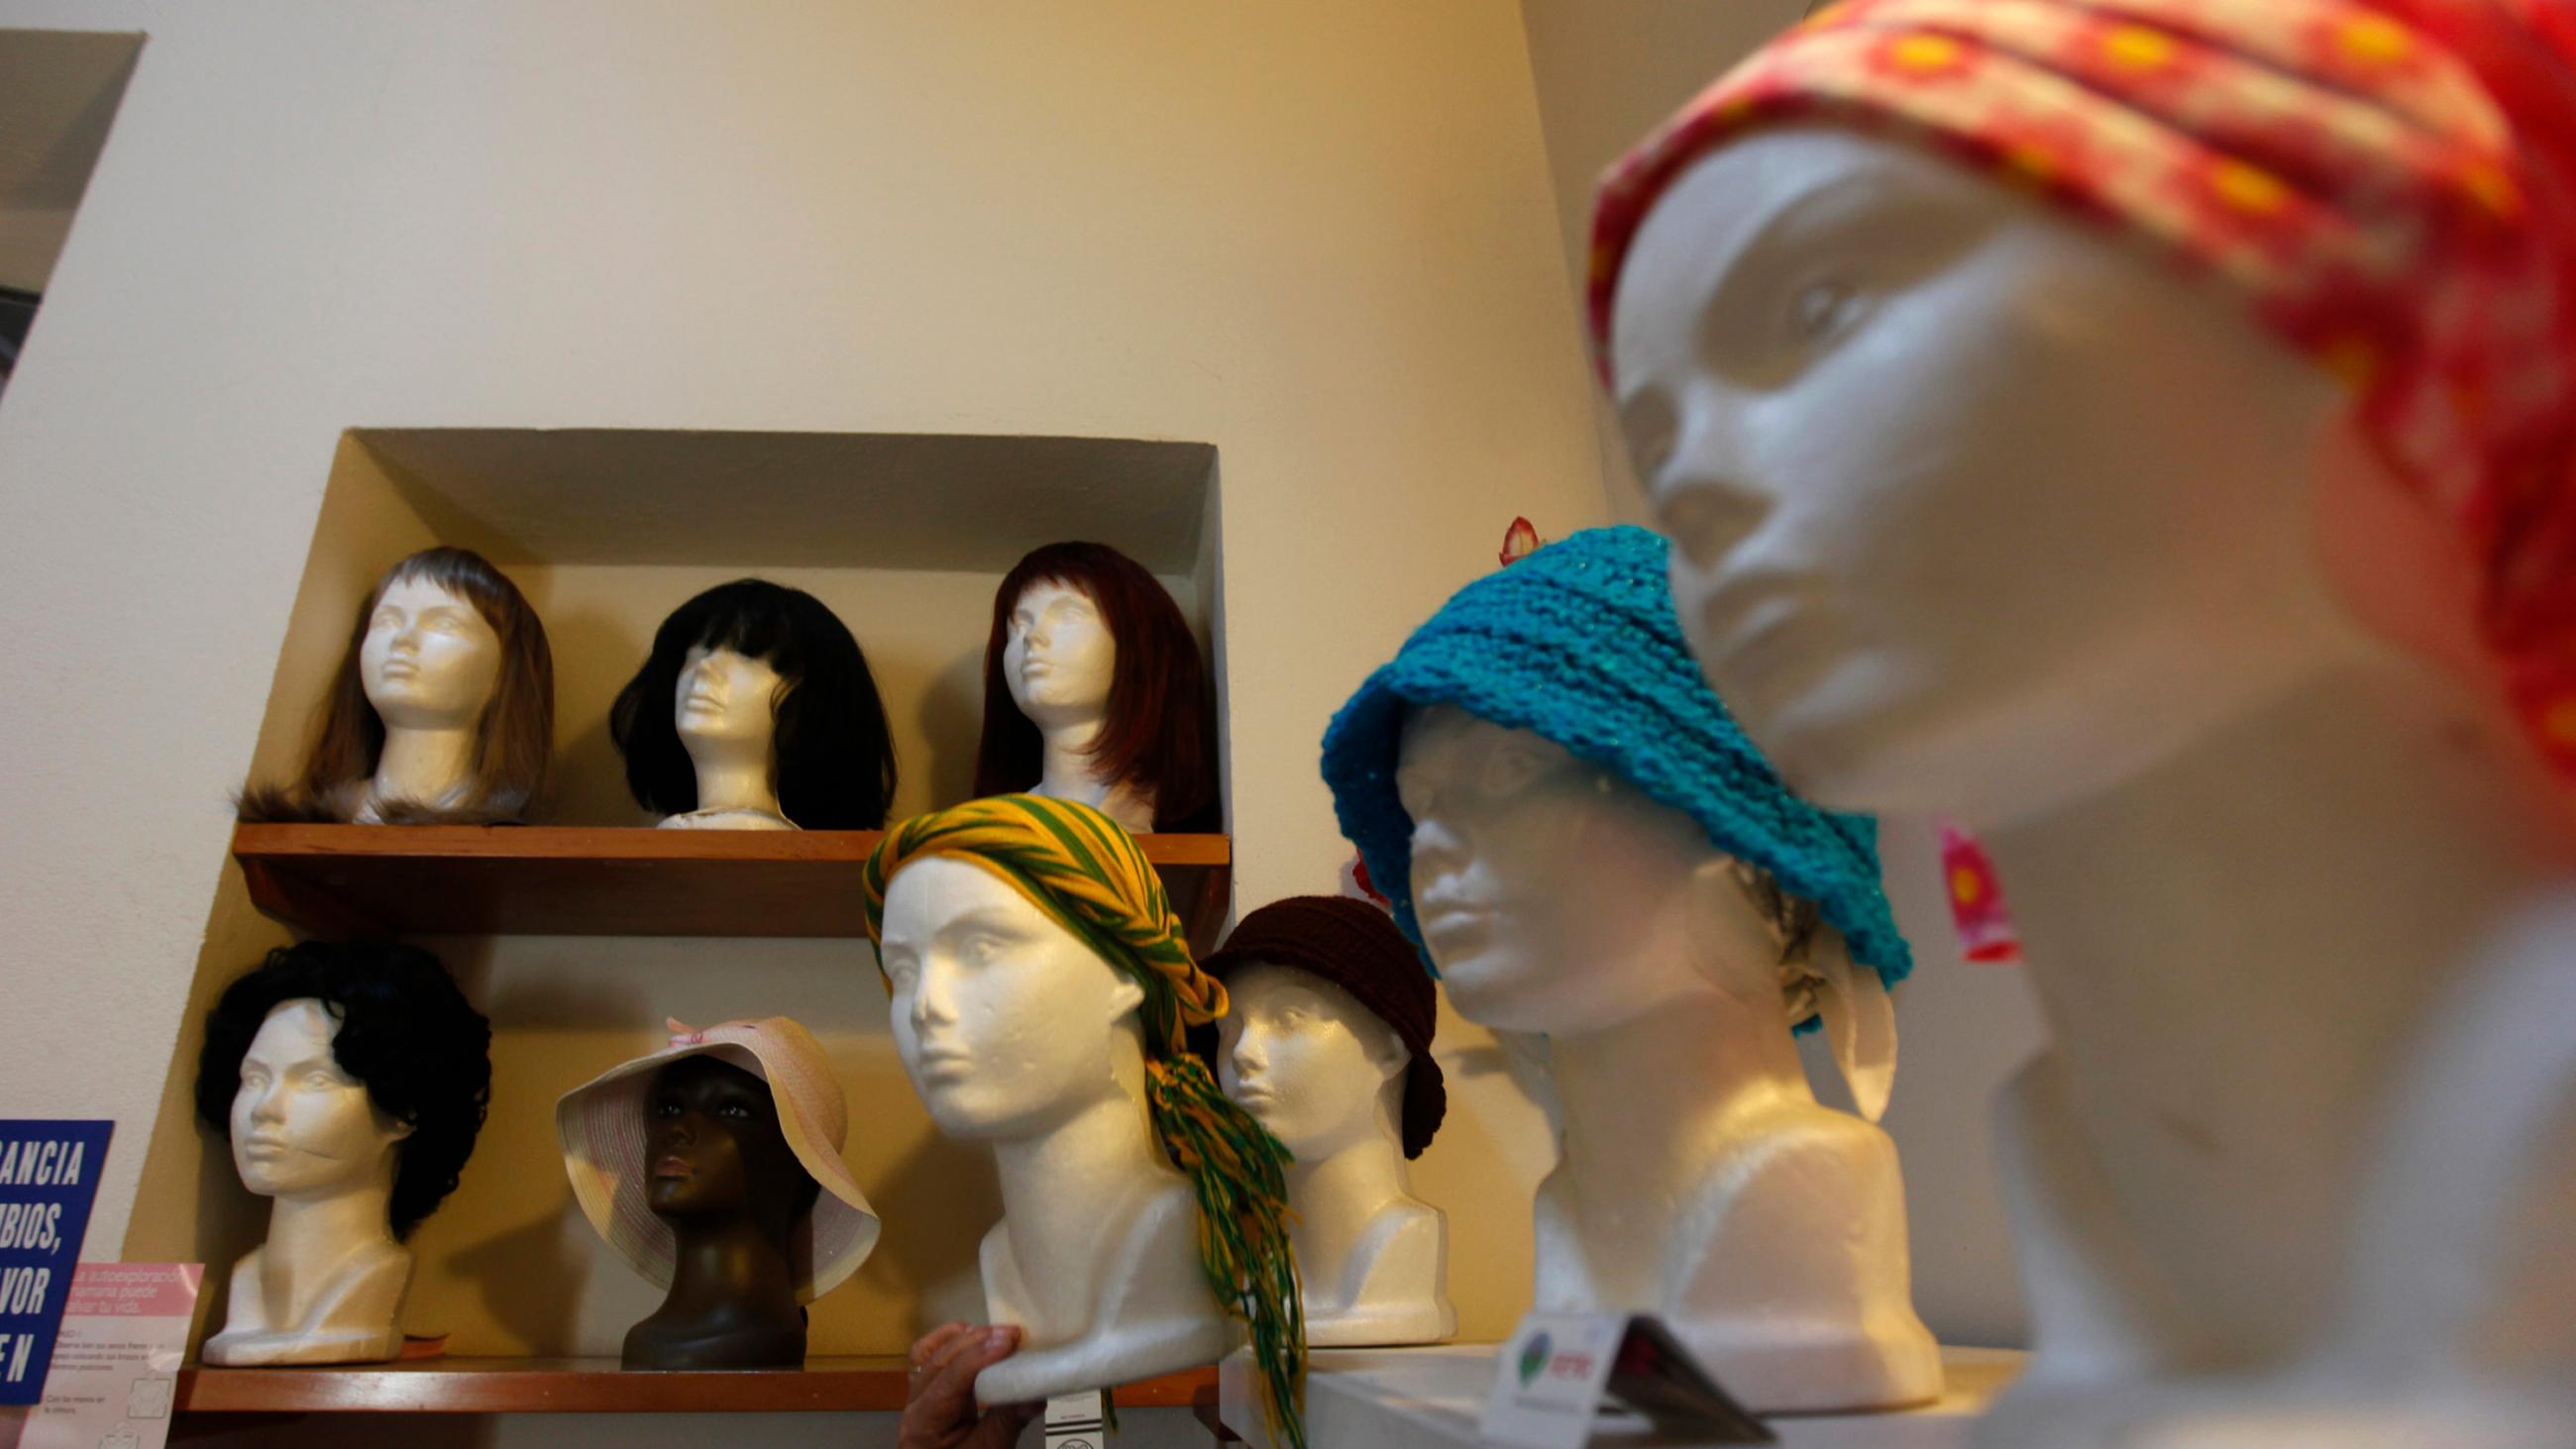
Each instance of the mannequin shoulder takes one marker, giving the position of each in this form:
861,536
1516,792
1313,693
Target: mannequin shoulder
1811,1201
1805,1145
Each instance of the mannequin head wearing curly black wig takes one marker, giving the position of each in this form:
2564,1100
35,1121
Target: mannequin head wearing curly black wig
831,759
396,1026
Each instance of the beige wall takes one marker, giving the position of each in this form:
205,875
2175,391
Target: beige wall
1315,236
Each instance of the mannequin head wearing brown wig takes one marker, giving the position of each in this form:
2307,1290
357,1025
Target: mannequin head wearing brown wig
1156,737
505,761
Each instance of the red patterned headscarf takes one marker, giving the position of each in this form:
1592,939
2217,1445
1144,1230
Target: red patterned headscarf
2391,184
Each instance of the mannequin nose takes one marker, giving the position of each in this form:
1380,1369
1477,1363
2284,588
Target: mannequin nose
268,1106
1437,846
1250,1051
1706,516
932,1001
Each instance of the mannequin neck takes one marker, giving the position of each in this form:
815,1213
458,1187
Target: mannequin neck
1069,1191
311,1235
1649,1102
2235,949
728,1266
1337,1193
424,766
1067,772
735,781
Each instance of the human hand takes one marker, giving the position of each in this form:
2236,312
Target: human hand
940,1410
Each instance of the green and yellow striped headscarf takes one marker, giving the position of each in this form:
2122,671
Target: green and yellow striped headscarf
1085,872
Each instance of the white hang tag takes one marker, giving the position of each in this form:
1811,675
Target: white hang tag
1561,1372
1078,1420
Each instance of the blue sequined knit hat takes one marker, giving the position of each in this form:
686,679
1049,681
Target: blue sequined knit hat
1578,643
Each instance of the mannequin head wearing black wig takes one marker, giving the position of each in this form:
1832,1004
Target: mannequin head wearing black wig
756,710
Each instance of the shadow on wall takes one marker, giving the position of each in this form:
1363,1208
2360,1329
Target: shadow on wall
589,783
952,719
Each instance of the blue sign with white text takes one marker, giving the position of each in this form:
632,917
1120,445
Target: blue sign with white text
48,1176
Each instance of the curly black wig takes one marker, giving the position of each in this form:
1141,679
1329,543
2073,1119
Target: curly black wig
423,1051
832,758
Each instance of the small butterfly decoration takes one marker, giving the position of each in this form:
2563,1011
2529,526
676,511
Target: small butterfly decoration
1977,910
1520,541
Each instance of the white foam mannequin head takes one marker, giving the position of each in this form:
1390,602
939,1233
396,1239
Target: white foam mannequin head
1981,511
725,710
1309,1062
1700,1179
1016,1033
429,664
1059,661
1061,656
301,1126
1326,1076
2021,582
1006,1023
306,1134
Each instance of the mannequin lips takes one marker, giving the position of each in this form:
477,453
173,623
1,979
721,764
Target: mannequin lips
673,1167
940,1061
265,1149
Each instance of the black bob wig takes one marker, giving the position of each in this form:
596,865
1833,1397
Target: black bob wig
423,1051
832,757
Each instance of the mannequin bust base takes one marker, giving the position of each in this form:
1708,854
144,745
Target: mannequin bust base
1389,1291
741,819
1791,1320
347,1322
1153,1314
721,1340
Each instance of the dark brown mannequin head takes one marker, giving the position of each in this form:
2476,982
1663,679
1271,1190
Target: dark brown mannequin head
720,1172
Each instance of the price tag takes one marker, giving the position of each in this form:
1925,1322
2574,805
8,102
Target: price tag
1078,1420
1561,1371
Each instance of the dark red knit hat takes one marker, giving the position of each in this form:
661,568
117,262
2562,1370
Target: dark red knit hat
1355,946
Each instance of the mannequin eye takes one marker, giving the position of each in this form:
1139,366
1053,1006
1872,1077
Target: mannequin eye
1823,310
1514,767
734,1110
319,1080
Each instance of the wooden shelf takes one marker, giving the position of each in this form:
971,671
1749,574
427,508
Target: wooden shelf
591,1386
552,880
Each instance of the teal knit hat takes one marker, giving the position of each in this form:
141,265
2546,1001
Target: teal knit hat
1578,644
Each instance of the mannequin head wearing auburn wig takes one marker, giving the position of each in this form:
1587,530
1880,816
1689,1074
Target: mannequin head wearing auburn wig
442,709
1093,690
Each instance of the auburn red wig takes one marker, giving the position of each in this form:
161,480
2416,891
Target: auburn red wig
1160,732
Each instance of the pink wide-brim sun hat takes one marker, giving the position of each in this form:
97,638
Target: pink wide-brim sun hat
601,1124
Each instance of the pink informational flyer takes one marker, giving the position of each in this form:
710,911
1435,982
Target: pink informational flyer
116,1362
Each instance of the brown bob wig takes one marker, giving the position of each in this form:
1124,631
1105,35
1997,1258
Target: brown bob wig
1160,733
513,743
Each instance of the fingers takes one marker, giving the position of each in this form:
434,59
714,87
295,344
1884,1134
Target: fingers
947,1396
925,1350
962,1343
